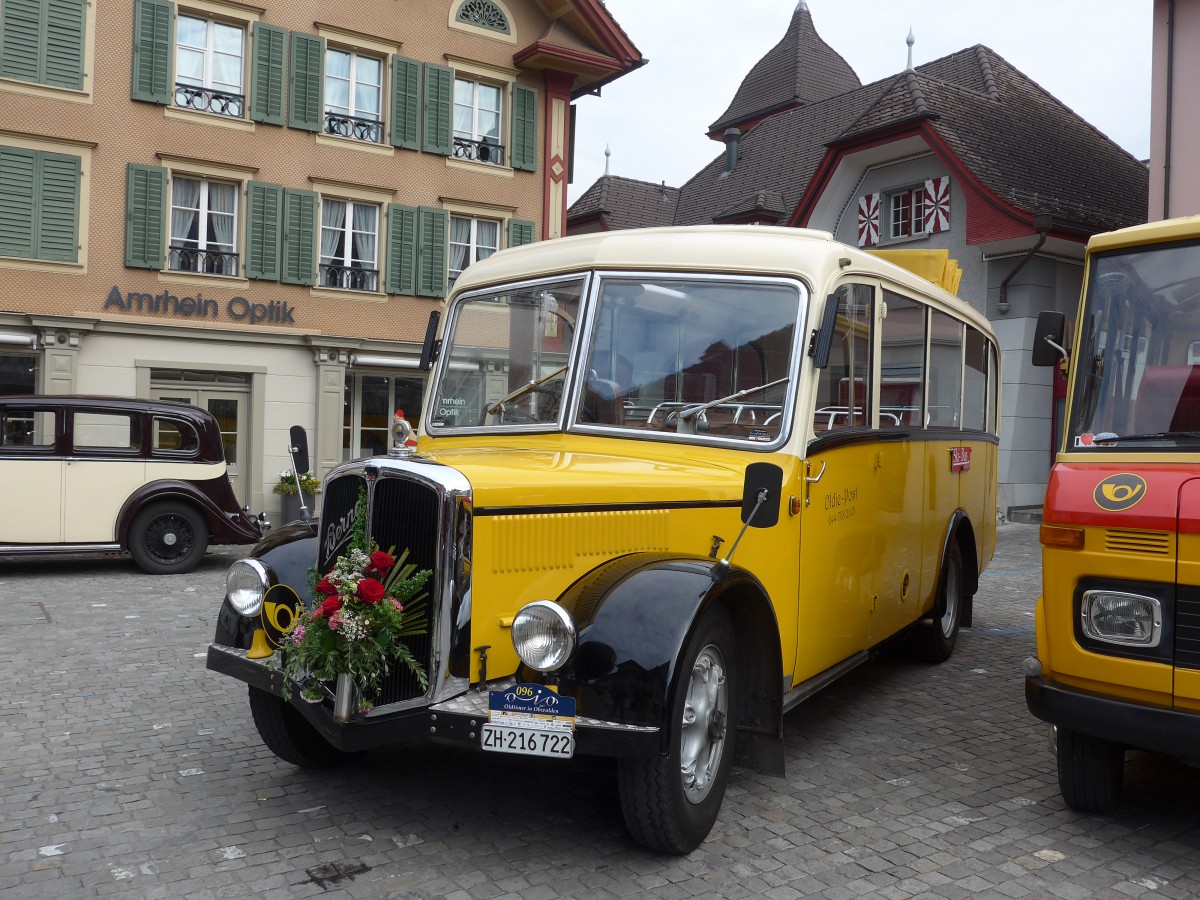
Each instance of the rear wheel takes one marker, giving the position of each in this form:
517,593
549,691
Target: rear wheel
289,736
168,538
671,802
934,641
1090,771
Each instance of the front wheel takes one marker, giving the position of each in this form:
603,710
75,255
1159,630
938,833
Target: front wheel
670,803
1090,771
934,641
288,735
168,538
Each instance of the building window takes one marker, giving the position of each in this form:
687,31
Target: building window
39,204
43,42
907,212
371,402
470,241
18,374
209,65
477,107
483,14
353,96
349,242
203,227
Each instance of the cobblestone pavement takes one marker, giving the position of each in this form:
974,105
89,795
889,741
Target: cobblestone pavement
126,768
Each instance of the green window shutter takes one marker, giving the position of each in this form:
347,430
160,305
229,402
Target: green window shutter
65,25
524,129
268,70
145,216
20,39
304,98
406,103
519,233
264,227
58,207
17,180
152,55
298,262
432,227
402,250
439,104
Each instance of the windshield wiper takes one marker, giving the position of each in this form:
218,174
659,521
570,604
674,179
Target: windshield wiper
495,407
692,411
1107,438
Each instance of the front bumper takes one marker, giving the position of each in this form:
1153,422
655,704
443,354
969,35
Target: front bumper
1139,725
455,719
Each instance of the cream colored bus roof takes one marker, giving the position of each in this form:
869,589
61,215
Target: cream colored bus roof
733,249
1150,233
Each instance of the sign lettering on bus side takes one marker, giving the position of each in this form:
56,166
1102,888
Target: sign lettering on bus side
960,459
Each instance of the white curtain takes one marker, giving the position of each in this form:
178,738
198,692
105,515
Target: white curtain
185,207
333,223
460,243
222,199
364,235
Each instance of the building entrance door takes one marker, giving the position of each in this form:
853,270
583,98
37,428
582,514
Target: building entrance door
229,408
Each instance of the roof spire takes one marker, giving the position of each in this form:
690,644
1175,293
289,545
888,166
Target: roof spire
801,6
607,154
910,40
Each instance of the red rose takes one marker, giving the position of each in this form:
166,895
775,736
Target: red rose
381,562
324,587
370,590
329,607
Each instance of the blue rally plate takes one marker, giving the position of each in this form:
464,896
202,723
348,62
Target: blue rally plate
531,706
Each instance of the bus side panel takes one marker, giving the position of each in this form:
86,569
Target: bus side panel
902,486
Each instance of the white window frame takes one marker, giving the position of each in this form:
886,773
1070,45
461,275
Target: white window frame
353,81
473,246
347,258
204,242
916,200
475,134
208,52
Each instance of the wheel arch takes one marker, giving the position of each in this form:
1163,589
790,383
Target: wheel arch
634,617
961,531
170,491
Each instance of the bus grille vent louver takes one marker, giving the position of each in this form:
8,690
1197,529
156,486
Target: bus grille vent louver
1155,543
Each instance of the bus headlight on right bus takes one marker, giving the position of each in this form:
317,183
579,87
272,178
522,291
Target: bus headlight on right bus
1120,618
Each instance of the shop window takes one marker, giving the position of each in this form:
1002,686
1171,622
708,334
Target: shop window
203,227
371,402
18,374
349,245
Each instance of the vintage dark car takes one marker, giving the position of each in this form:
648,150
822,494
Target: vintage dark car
104,474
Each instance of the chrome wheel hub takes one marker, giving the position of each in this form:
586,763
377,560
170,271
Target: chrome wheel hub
704,725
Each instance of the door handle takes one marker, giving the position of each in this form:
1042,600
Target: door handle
810,479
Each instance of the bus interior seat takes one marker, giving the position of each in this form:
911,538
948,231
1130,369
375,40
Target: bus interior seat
1169,399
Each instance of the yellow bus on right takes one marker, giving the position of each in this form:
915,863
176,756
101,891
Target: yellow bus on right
1118,622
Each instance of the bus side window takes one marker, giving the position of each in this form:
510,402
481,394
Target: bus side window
843,386
902,363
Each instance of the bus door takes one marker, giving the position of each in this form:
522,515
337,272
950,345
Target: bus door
838,534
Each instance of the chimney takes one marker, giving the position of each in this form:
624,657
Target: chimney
732,137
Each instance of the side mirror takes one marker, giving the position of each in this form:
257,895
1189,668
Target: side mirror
299,447
759,511
429,350
1048,338
823,339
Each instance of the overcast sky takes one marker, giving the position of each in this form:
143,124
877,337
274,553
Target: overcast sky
1093,55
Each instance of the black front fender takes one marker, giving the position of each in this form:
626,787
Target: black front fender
634,616
288,552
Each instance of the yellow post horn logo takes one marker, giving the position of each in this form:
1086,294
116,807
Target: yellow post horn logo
1120,492
280,612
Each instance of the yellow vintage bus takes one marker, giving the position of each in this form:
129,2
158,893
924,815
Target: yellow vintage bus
1118,622
670,482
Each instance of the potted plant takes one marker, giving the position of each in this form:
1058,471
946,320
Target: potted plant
285,487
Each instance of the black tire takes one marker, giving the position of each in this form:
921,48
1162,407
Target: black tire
168,538
667,808
933,641
288,735
1090,771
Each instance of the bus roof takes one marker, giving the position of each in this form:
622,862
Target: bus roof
1150,233
734,249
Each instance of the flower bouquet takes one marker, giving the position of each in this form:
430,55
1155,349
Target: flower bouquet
363,609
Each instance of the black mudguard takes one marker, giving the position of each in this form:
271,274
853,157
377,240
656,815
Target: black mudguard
634,616
288,552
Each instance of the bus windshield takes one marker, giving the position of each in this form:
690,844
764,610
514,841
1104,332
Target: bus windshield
1137,375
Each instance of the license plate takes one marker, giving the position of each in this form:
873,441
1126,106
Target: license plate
528,741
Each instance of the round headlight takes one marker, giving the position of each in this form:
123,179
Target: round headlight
246,585
544,635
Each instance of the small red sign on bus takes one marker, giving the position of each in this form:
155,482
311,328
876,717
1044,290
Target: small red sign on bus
960,459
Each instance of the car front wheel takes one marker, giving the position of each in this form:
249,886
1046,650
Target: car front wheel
288,735
670,803
168,538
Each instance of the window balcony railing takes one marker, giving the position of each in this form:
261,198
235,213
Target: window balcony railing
479,151
349,278
204,261
223,103
370,130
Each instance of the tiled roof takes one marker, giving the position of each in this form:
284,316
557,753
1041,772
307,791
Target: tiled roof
626,203
1023,145
801,69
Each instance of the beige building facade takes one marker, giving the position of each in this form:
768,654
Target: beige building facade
255,207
